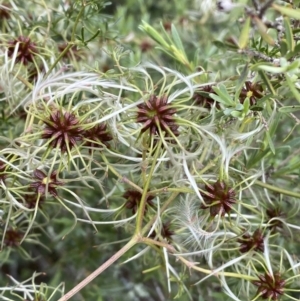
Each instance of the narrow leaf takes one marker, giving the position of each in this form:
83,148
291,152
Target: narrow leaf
289,34
222,91
283,47
272,69
176,39
244,37
262,29
289,109
240,82
290,12
219,99
293,88
267,82
154,34
270,142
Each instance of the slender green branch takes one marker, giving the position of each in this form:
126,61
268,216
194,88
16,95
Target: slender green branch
141,210
277,189
151,242
71,43
118,175
175,189
23,80
164,207
192,265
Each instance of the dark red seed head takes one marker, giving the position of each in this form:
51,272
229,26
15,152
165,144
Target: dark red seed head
133,198
253,242
156,113
275,212
146,46
32,198
219,198
26,50
97,136
4,11
270,287
45,182
3,170
203,99
13,237
63,129
165,232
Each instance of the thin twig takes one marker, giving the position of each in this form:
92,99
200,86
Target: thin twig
256,54
264,8
97,272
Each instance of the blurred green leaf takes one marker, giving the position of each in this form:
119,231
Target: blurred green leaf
262,29
293,88
270,142
177,40
289,34
290,12
289,109
244,37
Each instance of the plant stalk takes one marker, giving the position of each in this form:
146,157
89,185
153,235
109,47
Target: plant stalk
99,270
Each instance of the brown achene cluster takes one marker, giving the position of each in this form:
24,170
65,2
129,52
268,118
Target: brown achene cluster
45,182
97,135
157,114
26,50
63,129
133,198
270,287
165,232
31,199
3,170
219,198
12,237
203,99
251,90
253,242
272,214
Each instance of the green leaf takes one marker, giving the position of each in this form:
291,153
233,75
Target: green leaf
241,81
176,39
293,88
257,157
236,114
154,34
222,92
294,53
267,82
293,66
289,109
225,45
239,107
272,69
246,105
244,37
283,47
290,12
289,34
256,108
262,29
219,99
270,142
